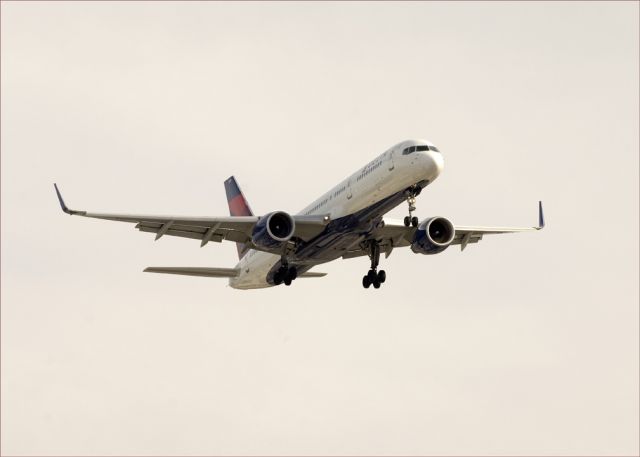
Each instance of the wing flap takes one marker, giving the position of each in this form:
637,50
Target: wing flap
195,232
463,229
236,222
182,233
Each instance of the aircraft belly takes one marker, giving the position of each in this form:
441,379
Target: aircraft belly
344,233
253,274
328,248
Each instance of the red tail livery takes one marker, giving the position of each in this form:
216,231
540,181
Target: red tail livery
238,206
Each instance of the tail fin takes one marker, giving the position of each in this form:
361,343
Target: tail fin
238,206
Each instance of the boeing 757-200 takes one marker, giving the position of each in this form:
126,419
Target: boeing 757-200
345,222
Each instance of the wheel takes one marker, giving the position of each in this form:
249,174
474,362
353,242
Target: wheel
382,276
277,278
372,275
292,273
407,221
365,282
287,281
414,221
376,284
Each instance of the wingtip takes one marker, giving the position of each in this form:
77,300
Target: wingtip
540,216
61,200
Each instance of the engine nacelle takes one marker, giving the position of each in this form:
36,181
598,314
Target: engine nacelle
433,236
273,230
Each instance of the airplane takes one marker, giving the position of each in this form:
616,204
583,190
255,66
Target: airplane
346,222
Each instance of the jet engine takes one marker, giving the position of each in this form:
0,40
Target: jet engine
433,236
273,230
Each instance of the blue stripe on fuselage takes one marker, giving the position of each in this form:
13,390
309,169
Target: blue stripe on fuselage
340,234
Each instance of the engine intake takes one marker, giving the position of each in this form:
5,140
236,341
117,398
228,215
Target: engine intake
273,230
433,236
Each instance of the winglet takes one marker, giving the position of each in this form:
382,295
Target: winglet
540,216
71,212
62,205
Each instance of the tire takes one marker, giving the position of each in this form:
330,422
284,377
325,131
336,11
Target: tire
414,221
372,276
382,276
287,281
277,278
376,284
292,273
407,221
365,282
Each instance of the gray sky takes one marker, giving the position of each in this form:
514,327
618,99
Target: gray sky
523,344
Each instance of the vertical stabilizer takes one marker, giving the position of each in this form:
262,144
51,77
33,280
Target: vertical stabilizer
238,206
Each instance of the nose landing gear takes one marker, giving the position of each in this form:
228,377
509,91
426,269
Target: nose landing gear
374,277
411,200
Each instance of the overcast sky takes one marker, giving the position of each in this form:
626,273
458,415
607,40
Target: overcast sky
521,344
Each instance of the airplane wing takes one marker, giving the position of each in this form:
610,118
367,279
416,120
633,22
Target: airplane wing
233,228
394,234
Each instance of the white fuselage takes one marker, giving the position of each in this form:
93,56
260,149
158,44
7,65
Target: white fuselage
389,173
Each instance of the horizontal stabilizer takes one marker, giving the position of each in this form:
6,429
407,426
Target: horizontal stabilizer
312,274
196,271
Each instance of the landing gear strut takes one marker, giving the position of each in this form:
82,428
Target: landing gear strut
411,200
374,277
285,274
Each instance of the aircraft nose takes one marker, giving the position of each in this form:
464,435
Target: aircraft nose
434,163
438,161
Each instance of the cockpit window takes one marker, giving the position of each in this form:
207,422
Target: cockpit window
411,149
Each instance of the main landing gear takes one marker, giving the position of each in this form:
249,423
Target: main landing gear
285,274
411,200
374,277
